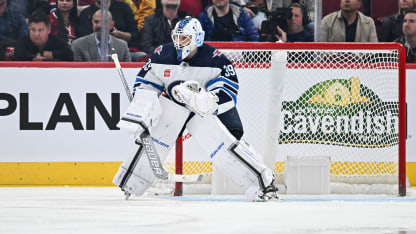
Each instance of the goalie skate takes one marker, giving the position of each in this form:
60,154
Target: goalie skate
269,193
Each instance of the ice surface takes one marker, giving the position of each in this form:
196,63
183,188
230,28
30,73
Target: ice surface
104,210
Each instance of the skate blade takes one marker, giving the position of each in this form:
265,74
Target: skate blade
127,195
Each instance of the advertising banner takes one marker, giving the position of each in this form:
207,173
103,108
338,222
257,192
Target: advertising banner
66,114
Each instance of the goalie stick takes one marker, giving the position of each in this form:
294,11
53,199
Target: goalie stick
147,141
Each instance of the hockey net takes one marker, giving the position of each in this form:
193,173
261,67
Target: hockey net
345,101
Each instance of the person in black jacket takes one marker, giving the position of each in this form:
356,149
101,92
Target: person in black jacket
40,45
408,39
158,26
392,25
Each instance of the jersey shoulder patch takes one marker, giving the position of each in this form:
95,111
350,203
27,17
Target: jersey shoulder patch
216,53
158,50
165,54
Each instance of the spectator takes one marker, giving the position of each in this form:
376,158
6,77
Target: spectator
87,48
158,26
408,39
392,25
64,20
141,9
348,25
12,25
225,21
296,26
124,25
81,5
256,9
249,5
41,45
273,4
194,7
27,7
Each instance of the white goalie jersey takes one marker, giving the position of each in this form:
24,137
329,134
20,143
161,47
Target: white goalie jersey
205,84
209,67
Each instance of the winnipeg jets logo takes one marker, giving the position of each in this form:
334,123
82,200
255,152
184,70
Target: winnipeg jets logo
158,50
166,73
216,53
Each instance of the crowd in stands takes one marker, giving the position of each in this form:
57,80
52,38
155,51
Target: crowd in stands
69,30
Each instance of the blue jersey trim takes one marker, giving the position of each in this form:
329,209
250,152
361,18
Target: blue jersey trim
224,80
229,92
161,88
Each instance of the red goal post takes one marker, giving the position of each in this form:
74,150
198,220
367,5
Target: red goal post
359,59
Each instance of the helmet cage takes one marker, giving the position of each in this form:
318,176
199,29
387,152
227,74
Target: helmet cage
187,36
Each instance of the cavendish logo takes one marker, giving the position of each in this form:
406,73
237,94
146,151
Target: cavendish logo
340,112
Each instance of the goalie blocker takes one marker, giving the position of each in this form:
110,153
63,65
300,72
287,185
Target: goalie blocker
234,158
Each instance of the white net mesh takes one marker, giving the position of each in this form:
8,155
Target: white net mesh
337,103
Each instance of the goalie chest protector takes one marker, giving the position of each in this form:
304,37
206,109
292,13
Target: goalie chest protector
207,64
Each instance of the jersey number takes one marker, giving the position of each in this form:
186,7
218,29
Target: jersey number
229,70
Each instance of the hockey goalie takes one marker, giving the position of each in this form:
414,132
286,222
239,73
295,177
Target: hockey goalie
201,88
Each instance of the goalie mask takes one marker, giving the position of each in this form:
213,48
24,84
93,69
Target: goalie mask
187,36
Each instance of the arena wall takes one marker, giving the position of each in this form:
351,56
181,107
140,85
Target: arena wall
58,123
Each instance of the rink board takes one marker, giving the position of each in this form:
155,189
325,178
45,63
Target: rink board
77,146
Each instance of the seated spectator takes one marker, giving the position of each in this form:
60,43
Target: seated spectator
256,9
392,25
225,21
40,45
158,26
125,26
141,9
296,31
408,39
273,4
64,20
80,3
194,7
87,48
12,26
27,7
249,5
348,25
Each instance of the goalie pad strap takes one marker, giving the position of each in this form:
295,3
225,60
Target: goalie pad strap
233,149
134,121
132,165
233,158
163,136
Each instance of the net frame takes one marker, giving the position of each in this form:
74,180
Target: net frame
327,46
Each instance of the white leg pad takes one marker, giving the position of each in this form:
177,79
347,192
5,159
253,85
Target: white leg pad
135,174
234,158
